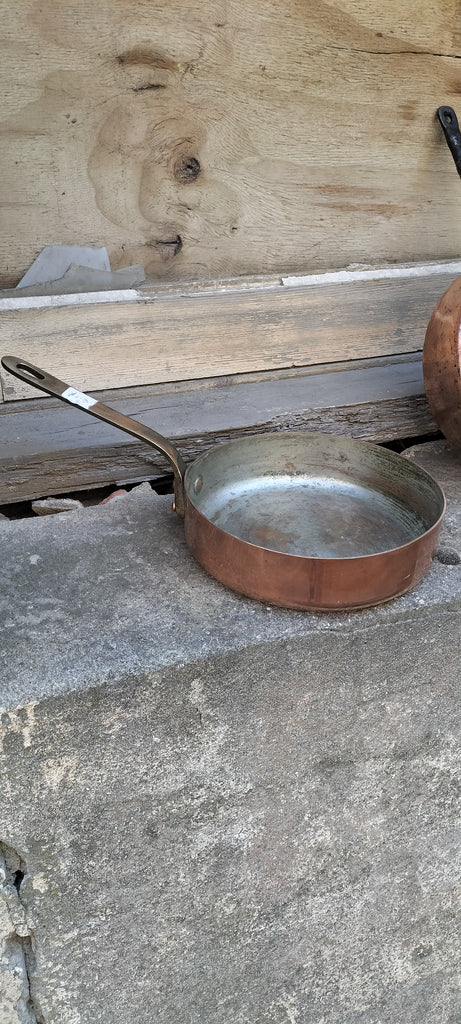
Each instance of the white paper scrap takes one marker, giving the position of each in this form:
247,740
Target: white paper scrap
53,261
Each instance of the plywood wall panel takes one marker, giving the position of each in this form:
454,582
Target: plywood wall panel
209,138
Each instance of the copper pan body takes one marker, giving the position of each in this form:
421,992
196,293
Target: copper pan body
312,521
303,583
442,344
442,363
304,521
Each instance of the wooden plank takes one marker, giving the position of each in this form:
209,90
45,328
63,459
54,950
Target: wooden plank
49,448
189,333
213,139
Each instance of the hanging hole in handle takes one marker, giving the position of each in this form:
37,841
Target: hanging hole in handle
447,117
31,370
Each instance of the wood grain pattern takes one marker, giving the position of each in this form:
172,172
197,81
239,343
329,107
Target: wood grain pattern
207,139
49,448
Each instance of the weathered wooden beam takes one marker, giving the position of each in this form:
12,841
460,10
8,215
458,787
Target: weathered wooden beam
117,340
49,448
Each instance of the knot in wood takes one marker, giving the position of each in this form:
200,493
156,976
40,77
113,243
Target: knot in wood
186,169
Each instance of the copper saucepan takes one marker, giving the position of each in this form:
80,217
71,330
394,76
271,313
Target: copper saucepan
306,521
442,344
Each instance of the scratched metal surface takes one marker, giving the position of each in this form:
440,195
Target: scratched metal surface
313,495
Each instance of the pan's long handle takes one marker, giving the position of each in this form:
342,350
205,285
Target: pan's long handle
449,122
52,386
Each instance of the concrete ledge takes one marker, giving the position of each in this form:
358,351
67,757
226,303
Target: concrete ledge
90,596
223,812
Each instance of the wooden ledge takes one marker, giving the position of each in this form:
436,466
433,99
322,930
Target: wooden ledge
149,336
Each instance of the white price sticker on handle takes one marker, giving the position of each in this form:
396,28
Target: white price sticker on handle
79,398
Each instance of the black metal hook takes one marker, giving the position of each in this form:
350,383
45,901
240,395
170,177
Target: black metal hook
449,122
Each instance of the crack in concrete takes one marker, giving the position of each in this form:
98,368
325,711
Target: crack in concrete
17,960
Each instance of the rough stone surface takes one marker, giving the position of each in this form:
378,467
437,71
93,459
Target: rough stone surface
225,813
15,1003
12,973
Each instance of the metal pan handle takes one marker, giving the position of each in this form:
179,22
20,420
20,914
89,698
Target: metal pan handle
449,122
52,386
